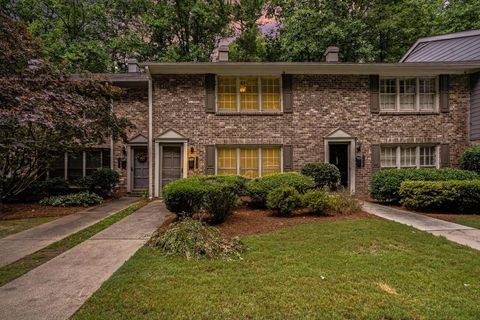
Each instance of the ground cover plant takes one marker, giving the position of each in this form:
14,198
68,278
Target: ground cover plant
344,269
385,185
81,199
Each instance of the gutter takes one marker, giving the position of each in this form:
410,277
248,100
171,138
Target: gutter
150,133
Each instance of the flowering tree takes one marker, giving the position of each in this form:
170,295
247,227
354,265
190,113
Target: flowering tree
44,111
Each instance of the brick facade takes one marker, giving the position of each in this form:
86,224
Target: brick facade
321,104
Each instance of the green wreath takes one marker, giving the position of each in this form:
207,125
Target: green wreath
142,157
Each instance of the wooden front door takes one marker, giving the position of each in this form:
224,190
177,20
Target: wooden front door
338,154
171,164
140,168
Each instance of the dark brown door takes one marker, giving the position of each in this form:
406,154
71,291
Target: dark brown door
339,157
171,164
140,168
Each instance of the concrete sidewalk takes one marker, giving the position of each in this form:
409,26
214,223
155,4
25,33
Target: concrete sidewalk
19,245
458,233
56,289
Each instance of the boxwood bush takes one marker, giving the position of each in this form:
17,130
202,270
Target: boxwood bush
259,188
385,184
470,159
101,181
324,174
81,199
461,195
316,201
283,200
218,195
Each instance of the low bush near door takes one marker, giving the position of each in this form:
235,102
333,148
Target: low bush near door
184,196
470,159
445,195
385,184
324,174
259,188
283,200
316,201
343,203
81,199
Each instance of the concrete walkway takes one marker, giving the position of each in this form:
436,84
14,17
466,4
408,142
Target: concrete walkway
56,289
19,245
454,232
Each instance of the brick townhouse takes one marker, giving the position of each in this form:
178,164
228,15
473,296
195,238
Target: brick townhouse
256,119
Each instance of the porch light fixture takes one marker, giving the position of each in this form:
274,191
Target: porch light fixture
243,88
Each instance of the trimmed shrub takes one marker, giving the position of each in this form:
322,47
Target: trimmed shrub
454,195
324,174
283,199
101,181
385,184
184,196
343,203
238,184
317,201
259,188
192,239
470,159
81,199
220,201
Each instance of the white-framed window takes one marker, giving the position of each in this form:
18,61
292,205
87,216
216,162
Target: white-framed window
249,94
409,94
409,156
72,166
249,161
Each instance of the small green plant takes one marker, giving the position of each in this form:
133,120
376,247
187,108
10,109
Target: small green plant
470,159
193,239
343,203
184,196
316,201
444,195
219,202
81,199
283,200
259,188
385,184
101,181
324,174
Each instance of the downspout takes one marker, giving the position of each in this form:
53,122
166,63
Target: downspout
150,134
112,143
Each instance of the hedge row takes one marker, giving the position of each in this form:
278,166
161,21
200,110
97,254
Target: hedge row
446,195
386,184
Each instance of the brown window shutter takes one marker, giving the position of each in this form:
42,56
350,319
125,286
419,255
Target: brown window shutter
210,160
375,157
374,82
444,156
210,93
443,86
287,93
287,158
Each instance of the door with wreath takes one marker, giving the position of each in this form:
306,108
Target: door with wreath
140,168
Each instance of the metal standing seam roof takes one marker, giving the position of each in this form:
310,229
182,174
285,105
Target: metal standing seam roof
453,47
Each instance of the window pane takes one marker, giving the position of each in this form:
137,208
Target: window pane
94,161
407,93
227,161
388,92
227,93
75,166
249,162
248,94
388,157
427,93
106,158
427,157
271,94
270,161
408,156
57,167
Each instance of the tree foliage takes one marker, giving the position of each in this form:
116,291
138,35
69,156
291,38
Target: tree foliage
43,111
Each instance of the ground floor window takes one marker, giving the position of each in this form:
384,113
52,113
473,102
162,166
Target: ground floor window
77,165
409,156
251,161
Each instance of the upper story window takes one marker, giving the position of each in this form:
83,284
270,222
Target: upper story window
409,156
248,94
409,94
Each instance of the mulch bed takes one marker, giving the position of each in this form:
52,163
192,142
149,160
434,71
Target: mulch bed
11,211
246,221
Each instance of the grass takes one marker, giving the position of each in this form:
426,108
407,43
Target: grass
357,269
8,227
473,222
22,266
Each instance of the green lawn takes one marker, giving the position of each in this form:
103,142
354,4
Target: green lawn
473,222
372,269
8,227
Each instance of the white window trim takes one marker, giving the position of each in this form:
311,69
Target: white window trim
417,156
417,95
260,107
260,148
